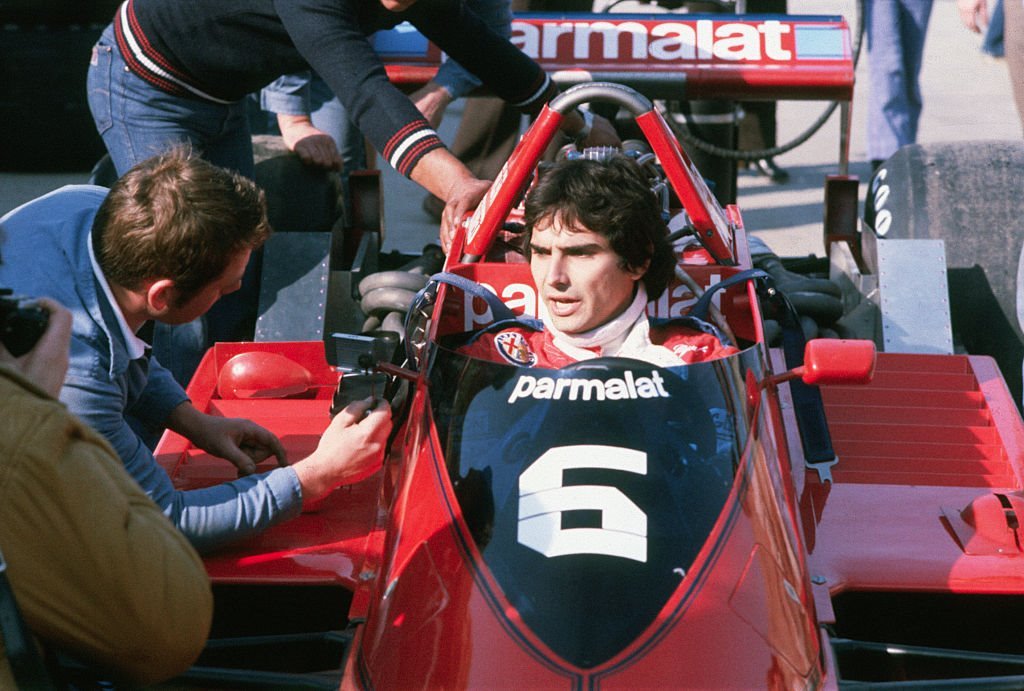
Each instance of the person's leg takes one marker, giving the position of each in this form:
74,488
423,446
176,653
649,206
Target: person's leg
883,76
116,98
895,37
913,30
1013,12
487,135
993,42
136,120
227,139
329,116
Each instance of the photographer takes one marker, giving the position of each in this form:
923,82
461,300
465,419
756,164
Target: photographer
164,243
95,567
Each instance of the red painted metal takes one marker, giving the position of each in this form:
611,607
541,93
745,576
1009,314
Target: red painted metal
886,523
926,497
839,362
509,185
327,544
706,215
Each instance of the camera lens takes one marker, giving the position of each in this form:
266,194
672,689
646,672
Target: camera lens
21,327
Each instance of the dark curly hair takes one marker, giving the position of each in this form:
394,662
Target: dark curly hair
613,199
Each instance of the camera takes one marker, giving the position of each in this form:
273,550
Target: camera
21,323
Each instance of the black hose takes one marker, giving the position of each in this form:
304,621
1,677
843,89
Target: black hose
754,154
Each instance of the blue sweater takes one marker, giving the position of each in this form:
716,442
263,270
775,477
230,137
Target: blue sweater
45,254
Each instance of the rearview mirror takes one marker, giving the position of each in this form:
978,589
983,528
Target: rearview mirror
834,361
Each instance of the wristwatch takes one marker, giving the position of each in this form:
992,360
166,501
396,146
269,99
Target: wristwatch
588,125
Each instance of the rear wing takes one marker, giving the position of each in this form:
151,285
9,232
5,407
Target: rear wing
682,56
671,56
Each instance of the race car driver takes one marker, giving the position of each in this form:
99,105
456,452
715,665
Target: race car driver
598,251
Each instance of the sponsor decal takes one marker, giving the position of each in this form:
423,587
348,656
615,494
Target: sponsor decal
628,387
544,498
883,216
513,346
523,298
703,40
682,350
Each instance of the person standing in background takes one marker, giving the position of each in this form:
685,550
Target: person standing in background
992,45
975,16
758,128
171,71
895,32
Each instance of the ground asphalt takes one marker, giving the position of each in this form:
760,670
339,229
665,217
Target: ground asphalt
966,97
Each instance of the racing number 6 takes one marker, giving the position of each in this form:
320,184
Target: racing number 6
543,498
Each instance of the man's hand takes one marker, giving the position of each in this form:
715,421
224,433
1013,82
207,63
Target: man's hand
448,179
431,100
973,14
242,442
313,147
461,200
350,450
47,363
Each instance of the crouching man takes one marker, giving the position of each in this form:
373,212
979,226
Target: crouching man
598,251
95,568
167,240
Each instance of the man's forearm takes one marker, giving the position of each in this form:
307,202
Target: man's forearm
186,420
441,174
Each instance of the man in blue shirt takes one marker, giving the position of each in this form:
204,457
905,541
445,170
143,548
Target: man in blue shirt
164,243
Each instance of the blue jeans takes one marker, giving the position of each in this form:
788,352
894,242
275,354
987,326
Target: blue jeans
136,121
895,32
993,42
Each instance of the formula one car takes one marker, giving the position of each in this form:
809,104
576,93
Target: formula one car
803,515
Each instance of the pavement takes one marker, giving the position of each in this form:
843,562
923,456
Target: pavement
967,96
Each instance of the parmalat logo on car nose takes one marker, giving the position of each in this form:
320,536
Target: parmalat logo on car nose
579,389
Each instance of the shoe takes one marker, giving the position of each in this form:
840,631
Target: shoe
768,168
433,207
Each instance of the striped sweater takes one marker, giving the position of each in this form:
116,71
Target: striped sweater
221,50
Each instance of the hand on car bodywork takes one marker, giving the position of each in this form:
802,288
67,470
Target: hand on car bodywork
463,200
448,179
312,146
240,441
350,450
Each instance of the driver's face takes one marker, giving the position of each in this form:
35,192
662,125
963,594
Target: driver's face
579,276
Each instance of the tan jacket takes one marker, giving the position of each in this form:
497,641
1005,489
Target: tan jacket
95,566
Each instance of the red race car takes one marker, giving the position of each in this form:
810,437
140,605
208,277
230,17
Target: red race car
799,514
